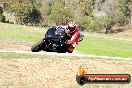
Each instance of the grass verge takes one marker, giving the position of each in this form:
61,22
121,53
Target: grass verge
105,47
93,43
18,32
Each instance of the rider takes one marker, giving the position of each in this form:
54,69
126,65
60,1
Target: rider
73,32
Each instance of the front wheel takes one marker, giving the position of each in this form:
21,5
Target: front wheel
37,47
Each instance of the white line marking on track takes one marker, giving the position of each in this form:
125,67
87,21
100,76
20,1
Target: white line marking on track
65,54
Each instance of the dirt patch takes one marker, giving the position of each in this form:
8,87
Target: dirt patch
6,44
53,73
126,33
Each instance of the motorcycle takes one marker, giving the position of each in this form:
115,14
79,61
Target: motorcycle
55,40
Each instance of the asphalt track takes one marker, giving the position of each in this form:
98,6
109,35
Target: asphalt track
64,54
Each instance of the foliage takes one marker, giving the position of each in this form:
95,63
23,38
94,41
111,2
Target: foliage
89,23
126,10
119,10
86,6
49,12
19,7
25,11
1,10
32,17
95,25
60,14
84,22
107,20
2,17
45,11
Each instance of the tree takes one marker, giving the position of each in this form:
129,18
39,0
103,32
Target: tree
60,14
95,25
86,6
32,17
124,8
119,10
2,17
84,22
45,11
108,23
19,7
91,24
26,11
130,6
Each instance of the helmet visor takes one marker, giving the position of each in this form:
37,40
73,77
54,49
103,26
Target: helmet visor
71,28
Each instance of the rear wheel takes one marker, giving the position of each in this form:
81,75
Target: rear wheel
37,47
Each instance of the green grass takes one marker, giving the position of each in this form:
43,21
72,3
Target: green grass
93,43
29,56
20,56
111,36
18,32
104,46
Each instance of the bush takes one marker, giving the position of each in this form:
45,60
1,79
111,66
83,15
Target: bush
2,17
33,17
95,25
84,22
107,21
60,15
91,24
124,21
